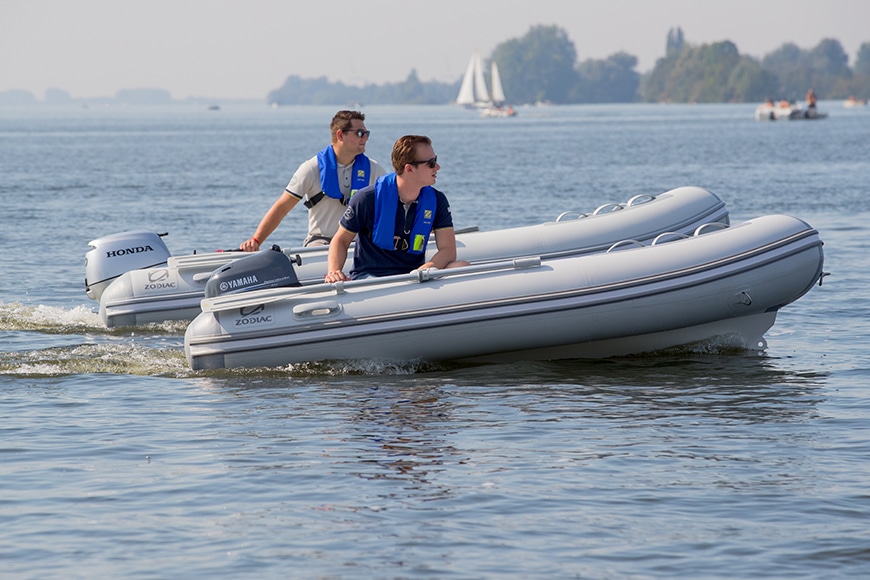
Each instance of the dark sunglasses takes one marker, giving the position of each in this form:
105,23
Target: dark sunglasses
359,132
430,162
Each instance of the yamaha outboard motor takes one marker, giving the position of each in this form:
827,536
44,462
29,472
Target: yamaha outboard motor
264,269
113,255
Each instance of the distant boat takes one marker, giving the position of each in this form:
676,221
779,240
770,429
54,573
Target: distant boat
474,94
785,111
214,108
853,102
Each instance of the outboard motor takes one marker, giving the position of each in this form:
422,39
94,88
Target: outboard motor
115,254
265,269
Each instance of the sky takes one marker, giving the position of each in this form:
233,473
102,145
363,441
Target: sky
246,48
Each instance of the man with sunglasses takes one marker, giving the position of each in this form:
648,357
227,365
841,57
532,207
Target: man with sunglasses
393,219
326,182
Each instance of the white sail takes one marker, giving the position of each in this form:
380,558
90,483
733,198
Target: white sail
481,95
466,91
473,92
497,90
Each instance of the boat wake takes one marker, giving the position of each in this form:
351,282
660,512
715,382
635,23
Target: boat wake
78,320
373,367
143,358
122,359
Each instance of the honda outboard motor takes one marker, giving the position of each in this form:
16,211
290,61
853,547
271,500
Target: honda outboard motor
264,269
115,254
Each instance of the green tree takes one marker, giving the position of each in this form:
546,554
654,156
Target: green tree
537,67
859,85
749,81
676,41
411,90
862,63
710,73
823,68
613,80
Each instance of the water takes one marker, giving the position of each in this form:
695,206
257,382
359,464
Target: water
116,460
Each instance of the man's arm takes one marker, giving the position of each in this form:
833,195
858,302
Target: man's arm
445,241
270,221
338,255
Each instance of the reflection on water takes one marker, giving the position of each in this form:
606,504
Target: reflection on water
737,386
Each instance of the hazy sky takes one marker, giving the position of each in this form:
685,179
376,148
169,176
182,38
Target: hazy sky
246,48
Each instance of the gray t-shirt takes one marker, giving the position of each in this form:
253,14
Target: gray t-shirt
323,218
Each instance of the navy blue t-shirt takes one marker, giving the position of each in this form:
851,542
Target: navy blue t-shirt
369,258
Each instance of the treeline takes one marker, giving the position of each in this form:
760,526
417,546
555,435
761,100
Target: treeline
319,91
542,66
718,73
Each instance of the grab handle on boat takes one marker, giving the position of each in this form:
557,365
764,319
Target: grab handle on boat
661,236
607,207
641,198
311,309
566,214
617,245
711,225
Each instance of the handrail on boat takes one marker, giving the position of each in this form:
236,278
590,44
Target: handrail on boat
566,214
641,196
638,199
624,243
268,295
661,236
609,207
711,225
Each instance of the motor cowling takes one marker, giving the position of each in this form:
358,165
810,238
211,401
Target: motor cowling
115,254
263,269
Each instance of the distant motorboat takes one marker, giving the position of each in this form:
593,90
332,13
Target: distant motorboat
785,111
853,102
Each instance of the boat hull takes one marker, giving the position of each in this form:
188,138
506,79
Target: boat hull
787,113
174,291
728,283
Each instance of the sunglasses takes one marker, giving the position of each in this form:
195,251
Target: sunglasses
359,132
430,162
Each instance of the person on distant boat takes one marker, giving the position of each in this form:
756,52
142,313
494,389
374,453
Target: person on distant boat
393,219
326,182
783,103
811,99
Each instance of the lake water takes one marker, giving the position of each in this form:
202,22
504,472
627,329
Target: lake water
116,460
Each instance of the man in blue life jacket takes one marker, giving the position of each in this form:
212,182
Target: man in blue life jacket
326,182
392,219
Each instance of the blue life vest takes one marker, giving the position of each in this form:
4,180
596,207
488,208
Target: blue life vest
329,173
386,204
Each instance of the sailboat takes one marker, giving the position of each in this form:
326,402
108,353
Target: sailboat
473,92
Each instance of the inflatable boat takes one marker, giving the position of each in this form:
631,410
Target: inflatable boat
137,281
787,112
722,282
